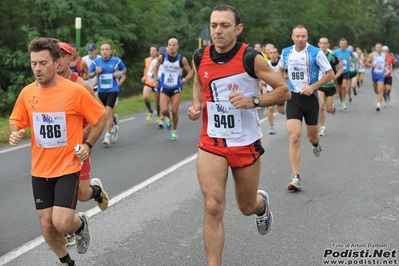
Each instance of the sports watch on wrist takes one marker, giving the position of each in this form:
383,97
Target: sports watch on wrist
256,101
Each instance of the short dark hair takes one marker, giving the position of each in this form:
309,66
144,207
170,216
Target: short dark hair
299,26
229,8
42,43
73,45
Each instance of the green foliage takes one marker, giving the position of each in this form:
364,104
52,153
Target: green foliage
132,26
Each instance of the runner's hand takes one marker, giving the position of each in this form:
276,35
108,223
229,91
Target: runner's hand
240,101
194,112
307,90
16,137
83,152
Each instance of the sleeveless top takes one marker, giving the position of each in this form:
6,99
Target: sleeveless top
222,124
172,73
380,61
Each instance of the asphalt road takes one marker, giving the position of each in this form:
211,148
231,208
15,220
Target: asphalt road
348,205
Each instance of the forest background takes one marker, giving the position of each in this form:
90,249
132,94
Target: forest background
132,26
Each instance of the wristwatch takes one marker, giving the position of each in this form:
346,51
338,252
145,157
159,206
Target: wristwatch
256,101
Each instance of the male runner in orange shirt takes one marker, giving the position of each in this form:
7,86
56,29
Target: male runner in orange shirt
54,108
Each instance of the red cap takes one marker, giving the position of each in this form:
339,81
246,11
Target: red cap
66,47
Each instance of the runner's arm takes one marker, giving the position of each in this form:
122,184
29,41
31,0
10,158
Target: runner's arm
188,69
85,70
194,111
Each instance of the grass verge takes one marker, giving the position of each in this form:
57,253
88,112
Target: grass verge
126,106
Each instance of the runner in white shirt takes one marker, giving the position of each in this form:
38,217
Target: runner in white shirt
274,63
303,62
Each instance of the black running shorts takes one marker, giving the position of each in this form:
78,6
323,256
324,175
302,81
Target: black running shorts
343,76
328,91
108,99
60,191
303,107
388,81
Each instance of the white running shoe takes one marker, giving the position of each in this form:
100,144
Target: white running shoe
114,133
83,238
322,131
107,140
160,124
295,184
317,150
69,240
265,221
272,131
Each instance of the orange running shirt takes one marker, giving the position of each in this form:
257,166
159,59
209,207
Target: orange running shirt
55,116
148,61
389,63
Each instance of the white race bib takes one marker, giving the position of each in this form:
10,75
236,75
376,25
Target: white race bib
106,81
380,68
344,63
50,129
298,77
170,79
224,121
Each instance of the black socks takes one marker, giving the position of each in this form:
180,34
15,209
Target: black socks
67,259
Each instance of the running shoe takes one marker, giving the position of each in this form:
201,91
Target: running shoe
350,100
114,133
378,107
341,106
322,131
265,221
272,131
168,123
102,201
160,124
116,119
149,116
69,240
317,150
107,140
173,135
158,119
354,91
295,184
83,238
344,106
72,263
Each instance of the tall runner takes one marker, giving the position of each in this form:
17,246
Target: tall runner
108,69
389,66
327,91
149,85
273,62
303,62
344,54
171,83
54,108
376,60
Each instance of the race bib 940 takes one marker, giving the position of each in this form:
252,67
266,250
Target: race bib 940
224,121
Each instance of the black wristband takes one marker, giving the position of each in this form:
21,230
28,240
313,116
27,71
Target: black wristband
89,145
